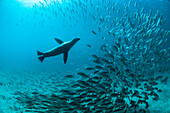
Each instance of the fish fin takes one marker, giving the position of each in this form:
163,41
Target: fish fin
39,53
65,57
59,41
41,58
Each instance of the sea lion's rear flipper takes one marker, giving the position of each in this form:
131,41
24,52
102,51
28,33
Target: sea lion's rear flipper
39,53
59,41
41,56
65,57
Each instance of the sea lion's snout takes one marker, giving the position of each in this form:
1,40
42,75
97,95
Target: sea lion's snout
77,39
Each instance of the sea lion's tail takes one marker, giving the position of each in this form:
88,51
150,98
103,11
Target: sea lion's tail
39,53
41,58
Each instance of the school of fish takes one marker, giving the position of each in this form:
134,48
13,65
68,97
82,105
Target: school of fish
125,75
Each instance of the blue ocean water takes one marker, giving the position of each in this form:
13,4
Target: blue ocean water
28,26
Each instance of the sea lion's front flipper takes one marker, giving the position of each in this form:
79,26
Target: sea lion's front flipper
59,41
65,57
